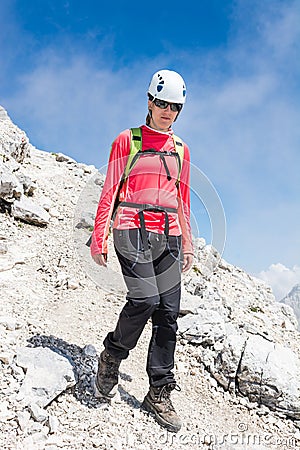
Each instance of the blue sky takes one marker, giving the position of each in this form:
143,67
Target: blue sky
73,74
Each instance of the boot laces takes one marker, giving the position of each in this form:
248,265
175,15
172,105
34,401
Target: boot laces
164,395
112,365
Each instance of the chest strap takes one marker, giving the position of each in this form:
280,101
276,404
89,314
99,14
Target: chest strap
148,207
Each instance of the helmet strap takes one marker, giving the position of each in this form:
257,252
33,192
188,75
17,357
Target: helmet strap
176,116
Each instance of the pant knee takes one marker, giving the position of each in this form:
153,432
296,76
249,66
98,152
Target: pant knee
143,305
166,319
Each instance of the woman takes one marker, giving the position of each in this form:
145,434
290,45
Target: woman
147,194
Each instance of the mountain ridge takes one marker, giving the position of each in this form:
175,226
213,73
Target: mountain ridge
292,299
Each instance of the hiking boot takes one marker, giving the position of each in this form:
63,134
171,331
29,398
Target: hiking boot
158,402
107,375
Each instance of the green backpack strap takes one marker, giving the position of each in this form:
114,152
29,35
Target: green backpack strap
179,148
135,147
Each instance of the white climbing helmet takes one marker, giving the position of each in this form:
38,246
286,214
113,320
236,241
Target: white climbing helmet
168,85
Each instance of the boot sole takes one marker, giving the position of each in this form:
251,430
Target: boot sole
148,407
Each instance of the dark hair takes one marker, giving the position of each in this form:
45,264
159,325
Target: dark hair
148,118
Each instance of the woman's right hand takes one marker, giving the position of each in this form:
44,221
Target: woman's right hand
100,259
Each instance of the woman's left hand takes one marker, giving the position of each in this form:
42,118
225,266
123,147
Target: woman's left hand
187,262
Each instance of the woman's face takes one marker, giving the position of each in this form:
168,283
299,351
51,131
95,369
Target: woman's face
161,119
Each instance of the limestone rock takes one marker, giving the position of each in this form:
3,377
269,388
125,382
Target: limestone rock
292,299
205,327
47,375
39,414
189,303
269,373
89,350
45,202
208,259
29,186
86,169
23,418
72,284
5,412
10,323
223,358
25,209
86,221
53,212
237,328
13,141
6,357
53,424
264,371
3,114
60,157
99,180
3,248
10,187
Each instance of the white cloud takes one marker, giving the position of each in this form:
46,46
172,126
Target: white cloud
242,124
281,278
76,106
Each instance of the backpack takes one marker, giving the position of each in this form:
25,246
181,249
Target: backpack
136,152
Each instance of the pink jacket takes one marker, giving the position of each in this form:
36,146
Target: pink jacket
146,183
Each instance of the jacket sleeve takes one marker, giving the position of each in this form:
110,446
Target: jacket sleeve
184,204
117,161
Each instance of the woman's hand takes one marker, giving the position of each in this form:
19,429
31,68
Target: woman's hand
100,259
187,262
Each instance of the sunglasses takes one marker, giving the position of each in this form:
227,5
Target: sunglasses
162,104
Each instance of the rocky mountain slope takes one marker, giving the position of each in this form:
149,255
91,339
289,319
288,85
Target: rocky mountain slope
237,359
293,299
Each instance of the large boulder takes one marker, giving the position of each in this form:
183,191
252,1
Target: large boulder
266,372
246,340
13,142
48,374
14,148
10,186
292,299
25,209
269,373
